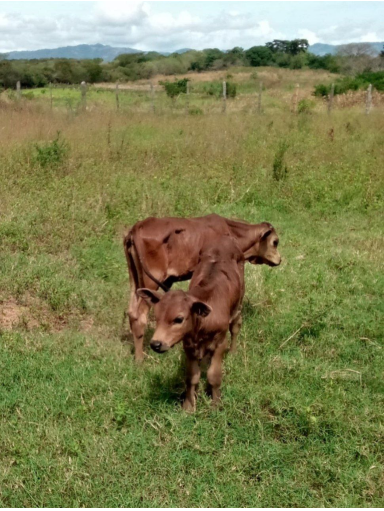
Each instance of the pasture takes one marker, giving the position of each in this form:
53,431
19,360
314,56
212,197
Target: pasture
301,419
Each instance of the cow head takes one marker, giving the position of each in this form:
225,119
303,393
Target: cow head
264,248
175,314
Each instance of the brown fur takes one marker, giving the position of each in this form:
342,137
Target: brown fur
160,251
202,316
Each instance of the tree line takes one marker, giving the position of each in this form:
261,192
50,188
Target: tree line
291,54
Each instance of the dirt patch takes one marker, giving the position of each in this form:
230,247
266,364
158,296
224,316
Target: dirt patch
30,313
13,315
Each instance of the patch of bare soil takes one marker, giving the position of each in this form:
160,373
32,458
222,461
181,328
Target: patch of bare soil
30,313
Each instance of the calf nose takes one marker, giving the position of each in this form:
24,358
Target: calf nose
156,345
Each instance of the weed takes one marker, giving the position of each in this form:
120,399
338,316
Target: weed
52,153
279,169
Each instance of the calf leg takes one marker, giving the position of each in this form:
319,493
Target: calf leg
193,377
138,315
214,374
234,328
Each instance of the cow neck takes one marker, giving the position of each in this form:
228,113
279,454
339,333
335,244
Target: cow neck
246,234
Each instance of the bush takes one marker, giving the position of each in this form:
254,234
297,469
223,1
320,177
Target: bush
173,89
216,89
51,154
305,106
195,111
28,95
279,170
361,81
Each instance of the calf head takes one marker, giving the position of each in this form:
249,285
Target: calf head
264,249
175,314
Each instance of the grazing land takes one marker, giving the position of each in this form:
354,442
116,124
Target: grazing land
301,419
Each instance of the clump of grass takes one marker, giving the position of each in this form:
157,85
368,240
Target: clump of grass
279,168
305,106
53,153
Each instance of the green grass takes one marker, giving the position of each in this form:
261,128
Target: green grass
301,423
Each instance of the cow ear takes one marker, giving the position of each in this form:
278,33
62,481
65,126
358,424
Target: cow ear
266,233
201,309
151,297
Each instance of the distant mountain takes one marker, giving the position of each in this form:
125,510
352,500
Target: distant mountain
81,51
322,49
168,53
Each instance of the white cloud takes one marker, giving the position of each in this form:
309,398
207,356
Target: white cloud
138,25
311,37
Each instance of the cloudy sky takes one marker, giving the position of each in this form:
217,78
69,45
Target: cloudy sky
167,26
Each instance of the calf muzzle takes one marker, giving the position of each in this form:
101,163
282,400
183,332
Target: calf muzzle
159,346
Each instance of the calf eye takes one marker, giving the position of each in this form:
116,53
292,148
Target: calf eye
179,319
275,243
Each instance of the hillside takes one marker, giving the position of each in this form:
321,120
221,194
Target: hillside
108,53
81,51
324,49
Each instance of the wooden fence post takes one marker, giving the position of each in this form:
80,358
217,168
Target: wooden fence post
330,98
50,95
152,97
296,99
224,97
187,100
83,88
117,96
259,99
18,91
368,103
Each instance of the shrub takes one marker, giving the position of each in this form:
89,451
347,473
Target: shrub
173,89
305,106
195,111
361,81
216,89
28,95
51,154
279,170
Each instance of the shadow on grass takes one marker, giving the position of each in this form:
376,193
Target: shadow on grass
169,385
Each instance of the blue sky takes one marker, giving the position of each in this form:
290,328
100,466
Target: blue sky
167,26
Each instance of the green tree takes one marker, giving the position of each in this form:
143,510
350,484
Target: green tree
259,56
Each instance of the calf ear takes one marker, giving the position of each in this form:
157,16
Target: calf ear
266,233
151,297
201,309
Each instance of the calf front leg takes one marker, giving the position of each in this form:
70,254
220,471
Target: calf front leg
138,315
193,377
234,329
215,374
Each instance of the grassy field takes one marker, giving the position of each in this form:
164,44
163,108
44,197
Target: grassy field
301,420
279,86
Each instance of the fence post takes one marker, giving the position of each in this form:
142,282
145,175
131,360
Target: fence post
224,97
330,98
83,87
18,91
187,100
50,95
117,96
296,99
259,99
152,97
368,102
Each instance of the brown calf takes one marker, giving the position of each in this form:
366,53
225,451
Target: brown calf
161,251
202,316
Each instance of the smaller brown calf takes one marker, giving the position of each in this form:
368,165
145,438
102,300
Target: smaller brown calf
202,316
